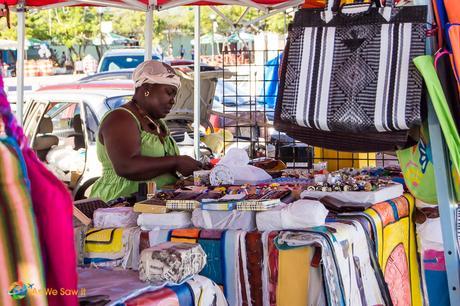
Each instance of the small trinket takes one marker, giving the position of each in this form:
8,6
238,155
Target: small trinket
346,188
368,187
324,189
355,187
311,188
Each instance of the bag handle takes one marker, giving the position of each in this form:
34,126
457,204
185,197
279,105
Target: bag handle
328,13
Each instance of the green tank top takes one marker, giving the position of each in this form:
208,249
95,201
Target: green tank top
111,186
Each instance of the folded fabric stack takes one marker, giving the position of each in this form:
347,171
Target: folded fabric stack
170,220
298,215
114,217
231,220
112,247
171,262
354,258
187,205
258,205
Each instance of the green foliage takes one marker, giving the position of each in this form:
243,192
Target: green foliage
5,32
78,26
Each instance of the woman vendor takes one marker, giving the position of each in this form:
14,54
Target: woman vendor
134,144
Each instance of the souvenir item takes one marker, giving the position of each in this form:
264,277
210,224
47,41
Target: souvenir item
201,178
115,217
170,220
298,215
360,91
171,262
231,220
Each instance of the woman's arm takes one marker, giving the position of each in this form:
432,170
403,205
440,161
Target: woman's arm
120,135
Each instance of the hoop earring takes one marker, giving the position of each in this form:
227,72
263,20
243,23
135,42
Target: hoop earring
147,93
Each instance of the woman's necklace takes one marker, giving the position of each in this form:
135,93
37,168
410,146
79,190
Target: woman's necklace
152,124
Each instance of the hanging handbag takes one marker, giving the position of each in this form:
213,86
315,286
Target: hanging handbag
351,71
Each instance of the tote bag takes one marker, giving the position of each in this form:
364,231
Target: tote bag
352,70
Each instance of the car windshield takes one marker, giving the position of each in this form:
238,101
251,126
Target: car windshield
112,63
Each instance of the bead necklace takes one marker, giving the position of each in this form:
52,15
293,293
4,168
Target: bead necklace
152,125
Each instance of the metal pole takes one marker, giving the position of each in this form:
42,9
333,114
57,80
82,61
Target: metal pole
446,205
148,32
212,41
20,62
444,187
197,93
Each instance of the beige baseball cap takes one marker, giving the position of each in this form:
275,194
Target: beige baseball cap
155,72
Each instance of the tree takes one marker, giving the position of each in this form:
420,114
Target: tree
74,27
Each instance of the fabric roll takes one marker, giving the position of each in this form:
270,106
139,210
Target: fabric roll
105,247
52,201
298,215
131,259
244,277
169,220
396,248
273,254
254,252
157,236
20,253
206,292
431,250
435,277
231,260
360,281
332,278
230,220
293,277
115,217
213,245
171,262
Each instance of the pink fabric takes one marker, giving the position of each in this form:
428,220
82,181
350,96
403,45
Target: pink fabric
53,210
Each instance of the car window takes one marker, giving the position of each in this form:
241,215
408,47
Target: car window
115,102
32,118
112,63
91,123
64,117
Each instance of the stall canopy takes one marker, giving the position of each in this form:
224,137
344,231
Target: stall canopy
265,5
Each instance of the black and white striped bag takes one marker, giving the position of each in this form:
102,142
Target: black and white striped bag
352,70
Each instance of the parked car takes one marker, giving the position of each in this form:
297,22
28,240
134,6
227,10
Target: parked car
62,122
120,59
117,59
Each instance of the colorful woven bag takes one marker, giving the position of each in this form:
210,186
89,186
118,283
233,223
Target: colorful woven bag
351,70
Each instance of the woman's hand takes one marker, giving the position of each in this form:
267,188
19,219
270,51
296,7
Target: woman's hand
185,165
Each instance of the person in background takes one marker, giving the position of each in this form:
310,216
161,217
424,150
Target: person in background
170,51
63,59
182,51
134,144
192,53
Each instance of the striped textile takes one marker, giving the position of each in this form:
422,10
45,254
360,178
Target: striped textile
353,75
20,256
